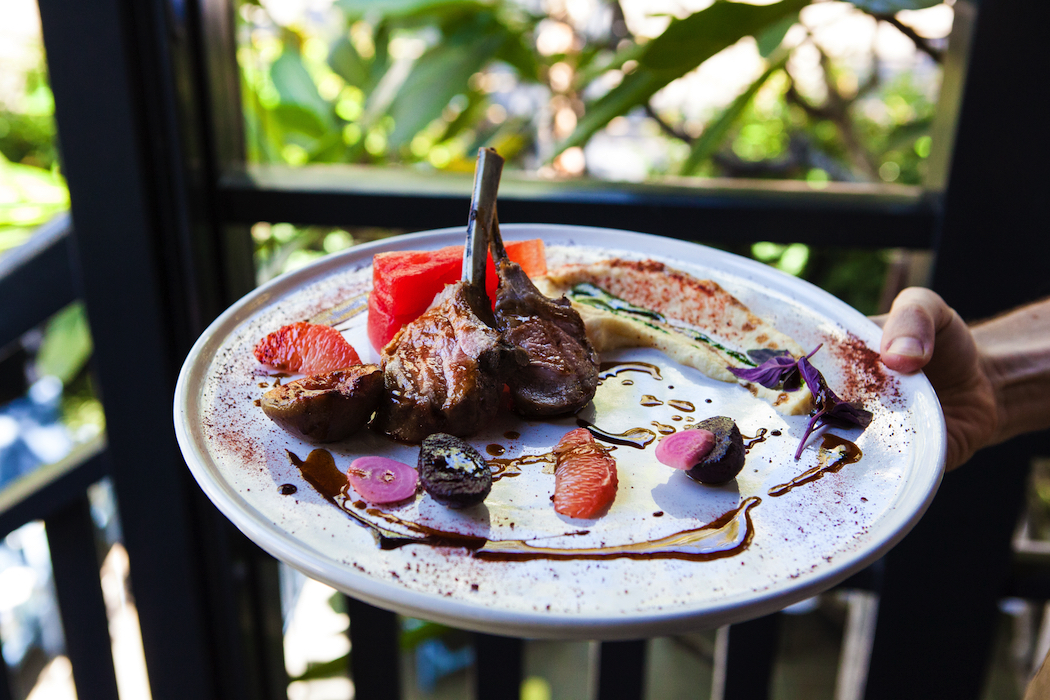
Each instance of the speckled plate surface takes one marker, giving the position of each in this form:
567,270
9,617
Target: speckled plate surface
784,545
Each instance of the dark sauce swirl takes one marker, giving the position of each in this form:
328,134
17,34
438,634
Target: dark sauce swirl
828,464
727,535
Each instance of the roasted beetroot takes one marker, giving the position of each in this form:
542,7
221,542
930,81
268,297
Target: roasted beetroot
726,458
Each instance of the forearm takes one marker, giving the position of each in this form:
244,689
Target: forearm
1014,351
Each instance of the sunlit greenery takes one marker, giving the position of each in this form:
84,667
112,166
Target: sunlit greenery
32,191
31,188
282,247
563,91
426,82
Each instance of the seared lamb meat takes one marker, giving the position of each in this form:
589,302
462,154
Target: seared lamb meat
562,373
326,407
445,371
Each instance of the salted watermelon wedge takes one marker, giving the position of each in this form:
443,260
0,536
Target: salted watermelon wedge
405,282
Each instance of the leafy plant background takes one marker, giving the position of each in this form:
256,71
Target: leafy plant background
33,191
614,90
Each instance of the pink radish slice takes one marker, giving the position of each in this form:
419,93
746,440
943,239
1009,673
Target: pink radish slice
685,449
382,480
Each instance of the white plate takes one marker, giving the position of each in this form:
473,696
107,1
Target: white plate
802,542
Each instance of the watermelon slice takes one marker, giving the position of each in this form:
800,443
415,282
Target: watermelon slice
405,282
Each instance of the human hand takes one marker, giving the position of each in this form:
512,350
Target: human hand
921,332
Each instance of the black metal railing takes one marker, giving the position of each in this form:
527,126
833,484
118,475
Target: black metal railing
36,281
149,120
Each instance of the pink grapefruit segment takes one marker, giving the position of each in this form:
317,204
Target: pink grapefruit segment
585,478
306,348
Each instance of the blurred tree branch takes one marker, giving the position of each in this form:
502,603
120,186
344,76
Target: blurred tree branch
921,43
666,127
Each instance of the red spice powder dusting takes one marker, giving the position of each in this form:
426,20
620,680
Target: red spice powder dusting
864,375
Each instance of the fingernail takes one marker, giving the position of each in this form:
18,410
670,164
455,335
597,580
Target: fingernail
905,346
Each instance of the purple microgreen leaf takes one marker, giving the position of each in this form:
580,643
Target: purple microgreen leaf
778,369
810,427
848,415
831,410
762,355
813,379
769,374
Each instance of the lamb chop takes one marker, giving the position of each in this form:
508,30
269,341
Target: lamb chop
445,371
562,374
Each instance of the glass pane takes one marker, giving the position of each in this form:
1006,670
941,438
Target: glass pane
32,189
30,626
283,247
316,645
59,410
571,88
129,660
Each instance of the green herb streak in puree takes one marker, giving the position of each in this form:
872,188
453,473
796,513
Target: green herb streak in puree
593,295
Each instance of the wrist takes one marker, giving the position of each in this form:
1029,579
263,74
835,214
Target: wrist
1014,355
1020,383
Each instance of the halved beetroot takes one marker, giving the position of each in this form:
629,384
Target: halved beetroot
382,480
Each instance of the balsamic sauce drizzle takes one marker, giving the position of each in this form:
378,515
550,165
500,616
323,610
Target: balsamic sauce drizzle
827,463
749,442
611,369
729,534
511,466
634,437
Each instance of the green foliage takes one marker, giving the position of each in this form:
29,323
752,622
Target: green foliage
31,188
67,344
27,129
715,133
855,276
394,86
440,75
684,45
29,197
281,248
426,82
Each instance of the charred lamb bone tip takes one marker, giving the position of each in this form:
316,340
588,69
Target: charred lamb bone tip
445,371
562,373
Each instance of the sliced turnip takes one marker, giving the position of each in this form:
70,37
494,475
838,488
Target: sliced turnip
381,480
685,449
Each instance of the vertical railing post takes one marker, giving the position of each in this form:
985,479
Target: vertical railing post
375,666
621,670
74,561
498,666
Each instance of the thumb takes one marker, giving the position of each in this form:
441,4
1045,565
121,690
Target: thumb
910,328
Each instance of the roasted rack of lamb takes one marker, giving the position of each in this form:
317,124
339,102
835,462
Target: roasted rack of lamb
562,374
445,371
